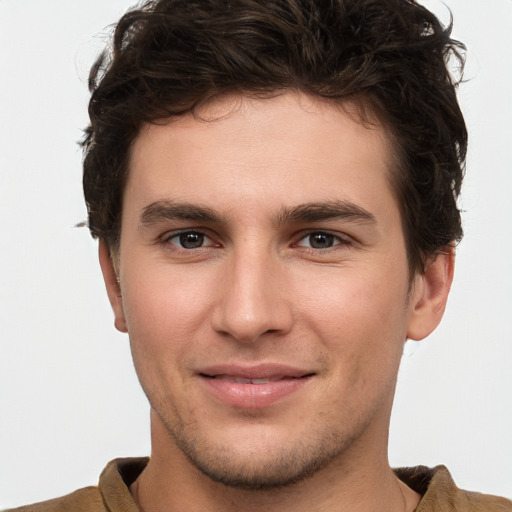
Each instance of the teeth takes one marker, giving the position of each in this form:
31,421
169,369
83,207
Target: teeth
240,380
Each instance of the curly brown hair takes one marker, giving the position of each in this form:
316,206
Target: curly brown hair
169,56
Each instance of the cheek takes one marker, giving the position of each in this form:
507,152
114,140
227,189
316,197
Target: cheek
361,319
163,309
164,314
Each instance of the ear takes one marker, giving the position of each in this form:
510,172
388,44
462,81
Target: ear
112,284
430,293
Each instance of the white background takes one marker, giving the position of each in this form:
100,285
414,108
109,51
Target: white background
69,399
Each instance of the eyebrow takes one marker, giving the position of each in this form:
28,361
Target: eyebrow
314,212
162,210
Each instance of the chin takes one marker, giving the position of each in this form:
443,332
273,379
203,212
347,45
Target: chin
257,471
257,461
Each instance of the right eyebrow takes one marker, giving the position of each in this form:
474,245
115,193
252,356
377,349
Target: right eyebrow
162,210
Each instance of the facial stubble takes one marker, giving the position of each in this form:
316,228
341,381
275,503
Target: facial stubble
288,465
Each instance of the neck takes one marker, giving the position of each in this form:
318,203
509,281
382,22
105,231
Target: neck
354,481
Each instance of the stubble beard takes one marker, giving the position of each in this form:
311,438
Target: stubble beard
284,467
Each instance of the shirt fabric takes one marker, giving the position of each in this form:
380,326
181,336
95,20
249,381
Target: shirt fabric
440,494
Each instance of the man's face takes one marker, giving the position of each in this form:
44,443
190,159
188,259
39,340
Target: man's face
264,285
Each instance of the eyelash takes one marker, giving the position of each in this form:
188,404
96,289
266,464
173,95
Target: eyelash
176,236
337,240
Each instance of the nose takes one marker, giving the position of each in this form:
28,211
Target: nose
252,300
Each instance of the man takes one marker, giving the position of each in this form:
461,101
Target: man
274,187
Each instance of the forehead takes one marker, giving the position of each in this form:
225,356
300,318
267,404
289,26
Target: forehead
289,149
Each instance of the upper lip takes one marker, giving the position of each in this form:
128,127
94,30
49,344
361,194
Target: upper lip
260,371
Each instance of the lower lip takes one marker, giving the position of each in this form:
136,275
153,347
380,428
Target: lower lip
252,396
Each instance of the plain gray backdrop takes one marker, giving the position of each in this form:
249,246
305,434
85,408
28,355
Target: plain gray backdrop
69,398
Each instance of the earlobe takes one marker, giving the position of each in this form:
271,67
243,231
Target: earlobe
112,285
430,294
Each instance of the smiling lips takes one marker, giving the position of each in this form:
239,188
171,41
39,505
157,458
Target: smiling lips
241,380
253,387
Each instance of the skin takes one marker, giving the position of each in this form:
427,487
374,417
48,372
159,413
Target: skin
260,289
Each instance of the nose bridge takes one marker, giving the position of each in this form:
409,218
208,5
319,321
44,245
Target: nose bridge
251,302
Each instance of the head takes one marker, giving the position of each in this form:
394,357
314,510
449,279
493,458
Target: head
389,57
273,181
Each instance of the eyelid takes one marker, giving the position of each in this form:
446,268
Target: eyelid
341,238
168,237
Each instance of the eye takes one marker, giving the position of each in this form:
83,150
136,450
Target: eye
189,240
320,240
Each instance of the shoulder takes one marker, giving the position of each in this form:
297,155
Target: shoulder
87,499
479,502
111,494
440,494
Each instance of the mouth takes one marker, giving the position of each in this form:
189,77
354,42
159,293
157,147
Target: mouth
253,387
243,380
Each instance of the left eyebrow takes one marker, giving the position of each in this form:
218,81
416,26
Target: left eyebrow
314,212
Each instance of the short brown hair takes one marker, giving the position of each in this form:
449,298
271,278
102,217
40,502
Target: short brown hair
169,56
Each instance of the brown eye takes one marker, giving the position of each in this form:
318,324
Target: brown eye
189,240
319,240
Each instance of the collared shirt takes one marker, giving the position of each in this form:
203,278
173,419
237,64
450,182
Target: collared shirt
440,494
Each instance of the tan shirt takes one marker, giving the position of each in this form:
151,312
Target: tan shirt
112,494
